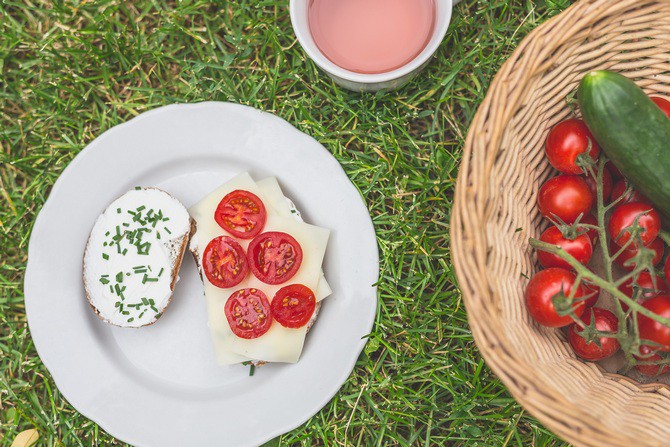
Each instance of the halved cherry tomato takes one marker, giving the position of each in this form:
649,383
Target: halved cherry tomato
248,313
607,186
565,197
651,370
580,248
605,321
274,257
649,286
241,213
540,292
662,103
566,141
652,330
293,305
624,217
631,251
620,188
224,262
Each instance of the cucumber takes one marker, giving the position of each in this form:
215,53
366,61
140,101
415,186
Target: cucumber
632,131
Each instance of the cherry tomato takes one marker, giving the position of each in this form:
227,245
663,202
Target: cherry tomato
590,219
666,269
565,197
662,103
616,174
649,286
647,355
248,313
607,185
619,189
580,248
650,329
241,214
605,321
566,141
293,306
224,262
540,292
274,257
624,217
593,292
631,251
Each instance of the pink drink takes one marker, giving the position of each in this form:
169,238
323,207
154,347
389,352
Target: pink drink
371,36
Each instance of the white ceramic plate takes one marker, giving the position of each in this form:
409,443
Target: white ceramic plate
159,386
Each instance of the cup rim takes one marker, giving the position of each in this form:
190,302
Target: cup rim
305,40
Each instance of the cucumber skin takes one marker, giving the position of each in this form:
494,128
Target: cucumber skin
631,130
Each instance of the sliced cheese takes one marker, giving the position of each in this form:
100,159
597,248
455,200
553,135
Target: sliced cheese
279,344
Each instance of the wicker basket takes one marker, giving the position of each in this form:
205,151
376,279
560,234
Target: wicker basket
495,214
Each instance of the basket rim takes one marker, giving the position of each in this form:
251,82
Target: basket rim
465,255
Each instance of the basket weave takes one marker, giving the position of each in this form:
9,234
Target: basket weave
495,213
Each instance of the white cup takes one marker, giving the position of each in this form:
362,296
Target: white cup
369,82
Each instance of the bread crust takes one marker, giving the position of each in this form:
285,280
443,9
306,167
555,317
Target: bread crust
174,274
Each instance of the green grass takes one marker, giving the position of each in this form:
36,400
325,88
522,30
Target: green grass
70,70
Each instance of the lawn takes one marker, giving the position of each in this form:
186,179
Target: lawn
71,69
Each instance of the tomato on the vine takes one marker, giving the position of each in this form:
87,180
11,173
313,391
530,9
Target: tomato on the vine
605,321
580,248
591,291
662,104
666,269
631,251
540,294
589,219
620,188
652,330
616,174
648,285
566,141
565,197
624,217
647,354
607,185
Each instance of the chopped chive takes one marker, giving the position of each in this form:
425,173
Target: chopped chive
119,277
137,188
140,208
131,319
252,370
107,234
104,280
105,256
118,210
168,230
161,272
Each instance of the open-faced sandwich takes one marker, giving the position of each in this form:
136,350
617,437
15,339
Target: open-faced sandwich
133,255
261,269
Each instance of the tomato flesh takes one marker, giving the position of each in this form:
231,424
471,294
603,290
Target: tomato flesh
605,321
224,262
540,292
248,313
293,305
241,213
274,257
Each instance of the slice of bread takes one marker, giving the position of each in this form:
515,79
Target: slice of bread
166,249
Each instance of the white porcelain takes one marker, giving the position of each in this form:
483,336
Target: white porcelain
159,386
369,82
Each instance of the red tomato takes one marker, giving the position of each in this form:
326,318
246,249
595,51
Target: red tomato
293,306
666,270
540,292
647,355
649,286
593,292
651,330
248,313
616,174
629,252
566,141
590,219
274,257
224,262
605,321
241,214
633,196
662,103
607,185
624,217
565,197
580,248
